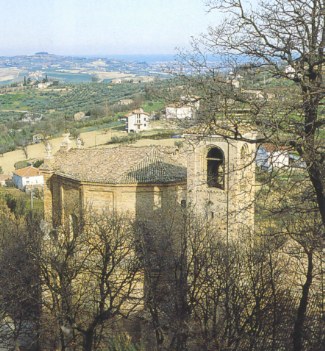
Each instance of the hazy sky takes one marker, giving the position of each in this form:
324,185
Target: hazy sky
99,27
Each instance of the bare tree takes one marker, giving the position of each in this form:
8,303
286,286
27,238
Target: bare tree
162,251
20,299
282,41
91,278
268,76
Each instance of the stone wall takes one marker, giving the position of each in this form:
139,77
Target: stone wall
230,207
63,196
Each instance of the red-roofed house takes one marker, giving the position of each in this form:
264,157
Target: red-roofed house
27,177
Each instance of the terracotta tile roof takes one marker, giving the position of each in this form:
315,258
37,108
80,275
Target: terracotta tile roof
138,111
29,171
273,147
121,165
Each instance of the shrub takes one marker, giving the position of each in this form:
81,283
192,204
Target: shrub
130,138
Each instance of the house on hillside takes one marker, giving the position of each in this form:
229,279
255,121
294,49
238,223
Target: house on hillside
117,81
37,138
270,156
258,94
177,111
137,121
32,118
125,102
4,179
80,116
27,178
44,85
186,108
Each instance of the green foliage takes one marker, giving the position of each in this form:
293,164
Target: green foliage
130,138
38,163
17,205
74,132
20,164
153,106
163,135
58,105
19,202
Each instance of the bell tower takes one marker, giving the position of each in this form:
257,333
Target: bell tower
221,182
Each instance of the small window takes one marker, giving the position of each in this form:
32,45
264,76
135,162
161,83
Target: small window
183,203
215,168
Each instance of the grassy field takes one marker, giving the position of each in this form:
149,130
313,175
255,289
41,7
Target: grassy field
23,198
37,151
155,106
90,138
57,105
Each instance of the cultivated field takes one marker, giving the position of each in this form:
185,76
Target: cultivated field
8,74
111,75
90,139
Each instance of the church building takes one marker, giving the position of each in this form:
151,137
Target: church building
212,176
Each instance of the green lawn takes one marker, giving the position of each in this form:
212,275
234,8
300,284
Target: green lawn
153,106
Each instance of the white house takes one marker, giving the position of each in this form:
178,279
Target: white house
125,102
44,85
32,117
176,111
185,109
270,156
80,116
28,177
137,120
117,81
37,138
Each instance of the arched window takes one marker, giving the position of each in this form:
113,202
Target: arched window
215,168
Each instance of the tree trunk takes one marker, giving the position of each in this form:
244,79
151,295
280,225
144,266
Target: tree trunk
313,161
316,178
302,309
88,337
